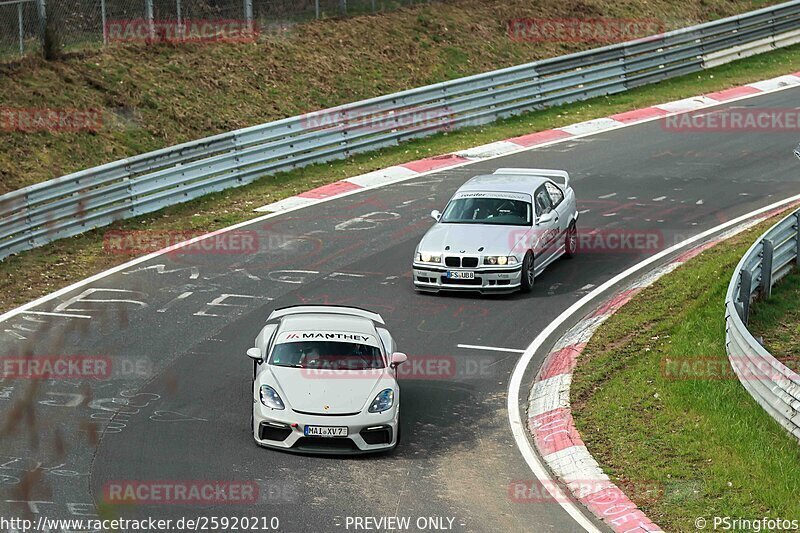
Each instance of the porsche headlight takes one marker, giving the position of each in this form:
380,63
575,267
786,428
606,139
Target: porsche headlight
270,398
429,258
500,260
382,402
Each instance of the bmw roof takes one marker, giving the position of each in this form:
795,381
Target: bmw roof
504,183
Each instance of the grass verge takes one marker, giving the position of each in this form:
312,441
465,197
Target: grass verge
153,96
698,435
777,320
37,272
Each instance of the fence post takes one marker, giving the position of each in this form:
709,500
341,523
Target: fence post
148,9
41,11
21,30
179,29
343,8
768,248
248,14
104,16
745,290
316,11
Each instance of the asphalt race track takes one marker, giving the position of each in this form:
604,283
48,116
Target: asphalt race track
177,405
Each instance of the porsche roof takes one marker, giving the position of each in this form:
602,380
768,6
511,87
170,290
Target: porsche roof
327,322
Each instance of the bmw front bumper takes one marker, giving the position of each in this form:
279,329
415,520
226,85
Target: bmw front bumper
488,279
366,432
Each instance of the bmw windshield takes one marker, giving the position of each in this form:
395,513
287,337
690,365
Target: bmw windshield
488,210
327,355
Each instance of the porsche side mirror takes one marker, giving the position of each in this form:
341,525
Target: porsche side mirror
398,358
436,215
254,354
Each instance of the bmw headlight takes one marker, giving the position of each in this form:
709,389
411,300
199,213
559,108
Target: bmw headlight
270,398
429,258
382,402
499,260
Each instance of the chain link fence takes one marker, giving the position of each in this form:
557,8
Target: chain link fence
33,26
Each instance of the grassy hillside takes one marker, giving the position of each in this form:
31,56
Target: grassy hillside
151,96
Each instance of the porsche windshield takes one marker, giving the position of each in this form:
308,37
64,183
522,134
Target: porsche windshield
499,211
327,355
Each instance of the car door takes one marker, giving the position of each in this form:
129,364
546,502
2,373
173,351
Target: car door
562,209
545,231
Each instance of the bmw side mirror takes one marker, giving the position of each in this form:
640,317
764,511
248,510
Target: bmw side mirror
436,215
545,218
398,358
254,354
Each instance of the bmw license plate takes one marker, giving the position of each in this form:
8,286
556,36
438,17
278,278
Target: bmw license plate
325,431
460,274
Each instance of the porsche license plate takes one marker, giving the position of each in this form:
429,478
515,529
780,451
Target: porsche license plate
325,431
460,274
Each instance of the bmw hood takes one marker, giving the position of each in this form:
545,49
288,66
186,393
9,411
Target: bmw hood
328,392
469,238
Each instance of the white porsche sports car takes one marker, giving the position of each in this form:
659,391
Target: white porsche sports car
498,232
324,381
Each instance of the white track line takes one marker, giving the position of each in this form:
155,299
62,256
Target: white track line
489,348
515,383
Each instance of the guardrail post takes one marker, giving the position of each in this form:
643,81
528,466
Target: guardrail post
745,290
797,241
768,248
21,30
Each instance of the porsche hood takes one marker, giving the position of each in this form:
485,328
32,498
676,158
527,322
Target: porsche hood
328,392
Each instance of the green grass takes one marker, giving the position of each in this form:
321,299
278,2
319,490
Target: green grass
777,320
37,272
709,445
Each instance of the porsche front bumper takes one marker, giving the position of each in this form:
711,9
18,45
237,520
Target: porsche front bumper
366,432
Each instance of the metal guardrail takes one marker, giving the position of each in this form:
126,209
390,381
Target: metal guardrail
773,385
96,197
